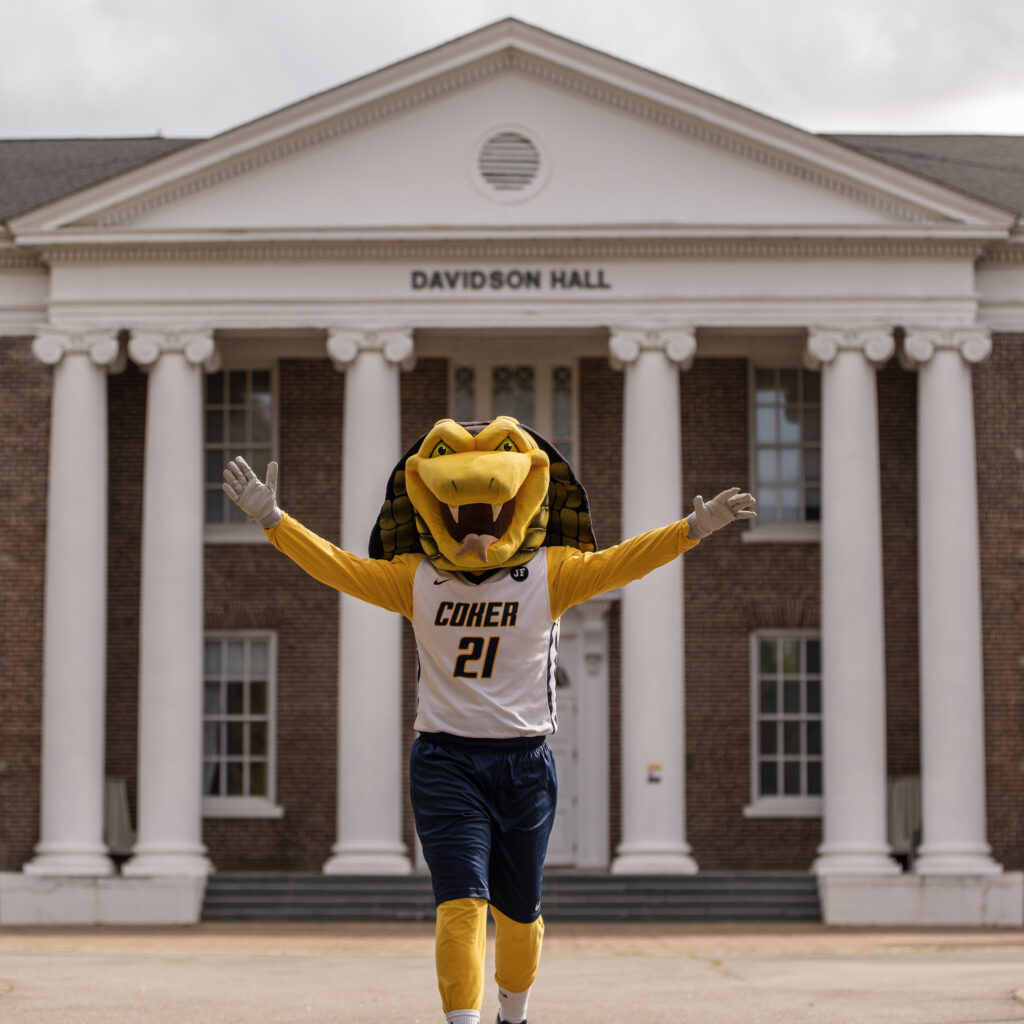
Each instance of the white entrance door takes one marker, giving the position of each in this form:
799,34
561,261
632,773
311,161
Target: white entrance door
563,847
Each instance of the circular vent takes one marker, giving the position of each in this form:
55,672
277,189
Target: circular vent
509,162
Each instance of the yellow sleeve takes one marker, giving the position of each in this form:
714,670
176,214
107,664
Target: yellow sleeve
385,584
576,576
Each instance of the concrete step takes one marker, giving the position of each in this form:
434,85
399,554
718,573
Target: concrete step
711,896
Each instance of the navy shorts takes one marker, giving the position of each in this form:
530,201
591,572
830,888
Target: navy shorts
484,811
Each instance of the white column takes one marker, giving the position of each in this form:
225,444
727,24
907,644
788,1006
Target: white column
854,840
75,617
952,701
171,611
653,686
370,648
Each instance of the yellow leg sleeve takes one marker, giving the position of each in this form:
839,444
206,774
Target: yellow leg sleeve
460,946
516,951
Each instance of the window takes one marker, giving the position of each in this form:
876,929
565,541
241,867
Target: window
239,725
239,420
541,395
786,431
786,725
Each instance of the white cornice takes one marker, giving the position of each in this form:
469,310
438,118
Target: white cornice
513,46
514,248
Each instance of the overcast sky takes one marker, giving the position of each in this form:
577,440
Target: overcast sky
198,67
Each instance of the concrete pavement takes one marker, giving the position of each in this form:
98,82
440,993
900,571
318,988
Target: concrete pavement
591,974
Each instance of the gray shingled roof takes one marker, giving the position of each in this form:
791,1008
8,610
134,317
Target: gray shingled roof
34,172
988,167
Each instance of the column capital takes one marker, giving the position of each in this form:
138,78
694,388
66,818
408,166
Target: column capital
197,346
825,343
679,344
344,345
100,344
921,343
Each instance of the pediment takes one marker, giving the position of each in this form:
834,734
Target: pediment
617,148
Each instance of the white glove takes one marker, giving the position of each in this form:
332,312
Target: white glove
720,511
257,500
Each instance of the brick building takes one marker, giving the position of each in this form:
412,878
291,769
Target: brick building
681,293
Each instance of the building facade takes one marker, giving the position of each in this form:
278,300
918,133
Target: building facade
683,295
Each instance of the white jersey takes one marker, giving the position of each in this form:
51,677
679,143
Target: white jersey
486,652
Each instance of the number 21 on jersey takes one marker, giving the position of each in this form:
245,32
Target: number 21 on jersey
476,648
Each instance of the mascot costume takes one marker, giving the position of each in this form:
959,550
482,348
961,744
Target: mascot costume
484,540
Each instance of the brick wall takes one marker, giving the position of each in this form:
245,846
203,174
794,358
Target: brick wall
999,412
24,442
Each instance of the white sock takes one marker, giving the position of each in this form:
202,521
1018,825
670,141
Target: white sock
512,1005
463,1017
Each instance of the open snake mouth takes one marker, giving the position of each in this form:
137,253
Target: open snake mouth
478,525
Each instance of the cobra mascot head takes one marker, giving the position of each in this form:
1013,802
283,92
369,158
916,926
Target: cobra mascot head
479,496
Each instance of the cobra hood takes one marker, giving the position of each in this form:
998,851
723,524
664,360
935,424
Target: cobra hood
481,496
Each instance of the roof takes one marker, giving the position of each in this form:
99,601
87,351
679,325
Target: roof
34,172
987,167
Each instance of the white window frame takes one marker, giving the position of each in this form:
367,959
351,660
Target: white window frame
779,806
543,369
248,532
250,806
758,531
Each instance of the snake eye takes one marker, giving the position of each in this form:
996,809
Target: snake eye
506,445
441,448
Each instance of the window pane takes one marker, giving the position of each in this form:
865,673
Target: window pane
814,738
236,658
769,656
258,739
211,657
261,386
790,655
769,778
769,701
769,738
812,425
237,434
235,779
764,387
791,784
211,698
767,505
790,505
215,506
464,398
791,738
214,388
214,426
236,697
236,738
788,380
211,739
791,696
512,392
764,425
236,387
789,462
211,779
813,656
789,427
813,697
215,466
813,505
767,466
258,698
812,465
812,385
814,778
561,405
258,659
258,778
260,424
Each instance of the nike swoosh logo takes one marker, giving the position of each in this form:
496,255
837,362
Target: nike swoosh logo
438,583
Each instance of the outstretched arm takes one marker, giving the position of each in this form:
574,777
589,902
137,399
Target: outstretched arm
576,576
385,584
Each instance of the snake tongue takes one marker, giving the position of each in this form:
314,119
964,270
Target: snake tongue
476,544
